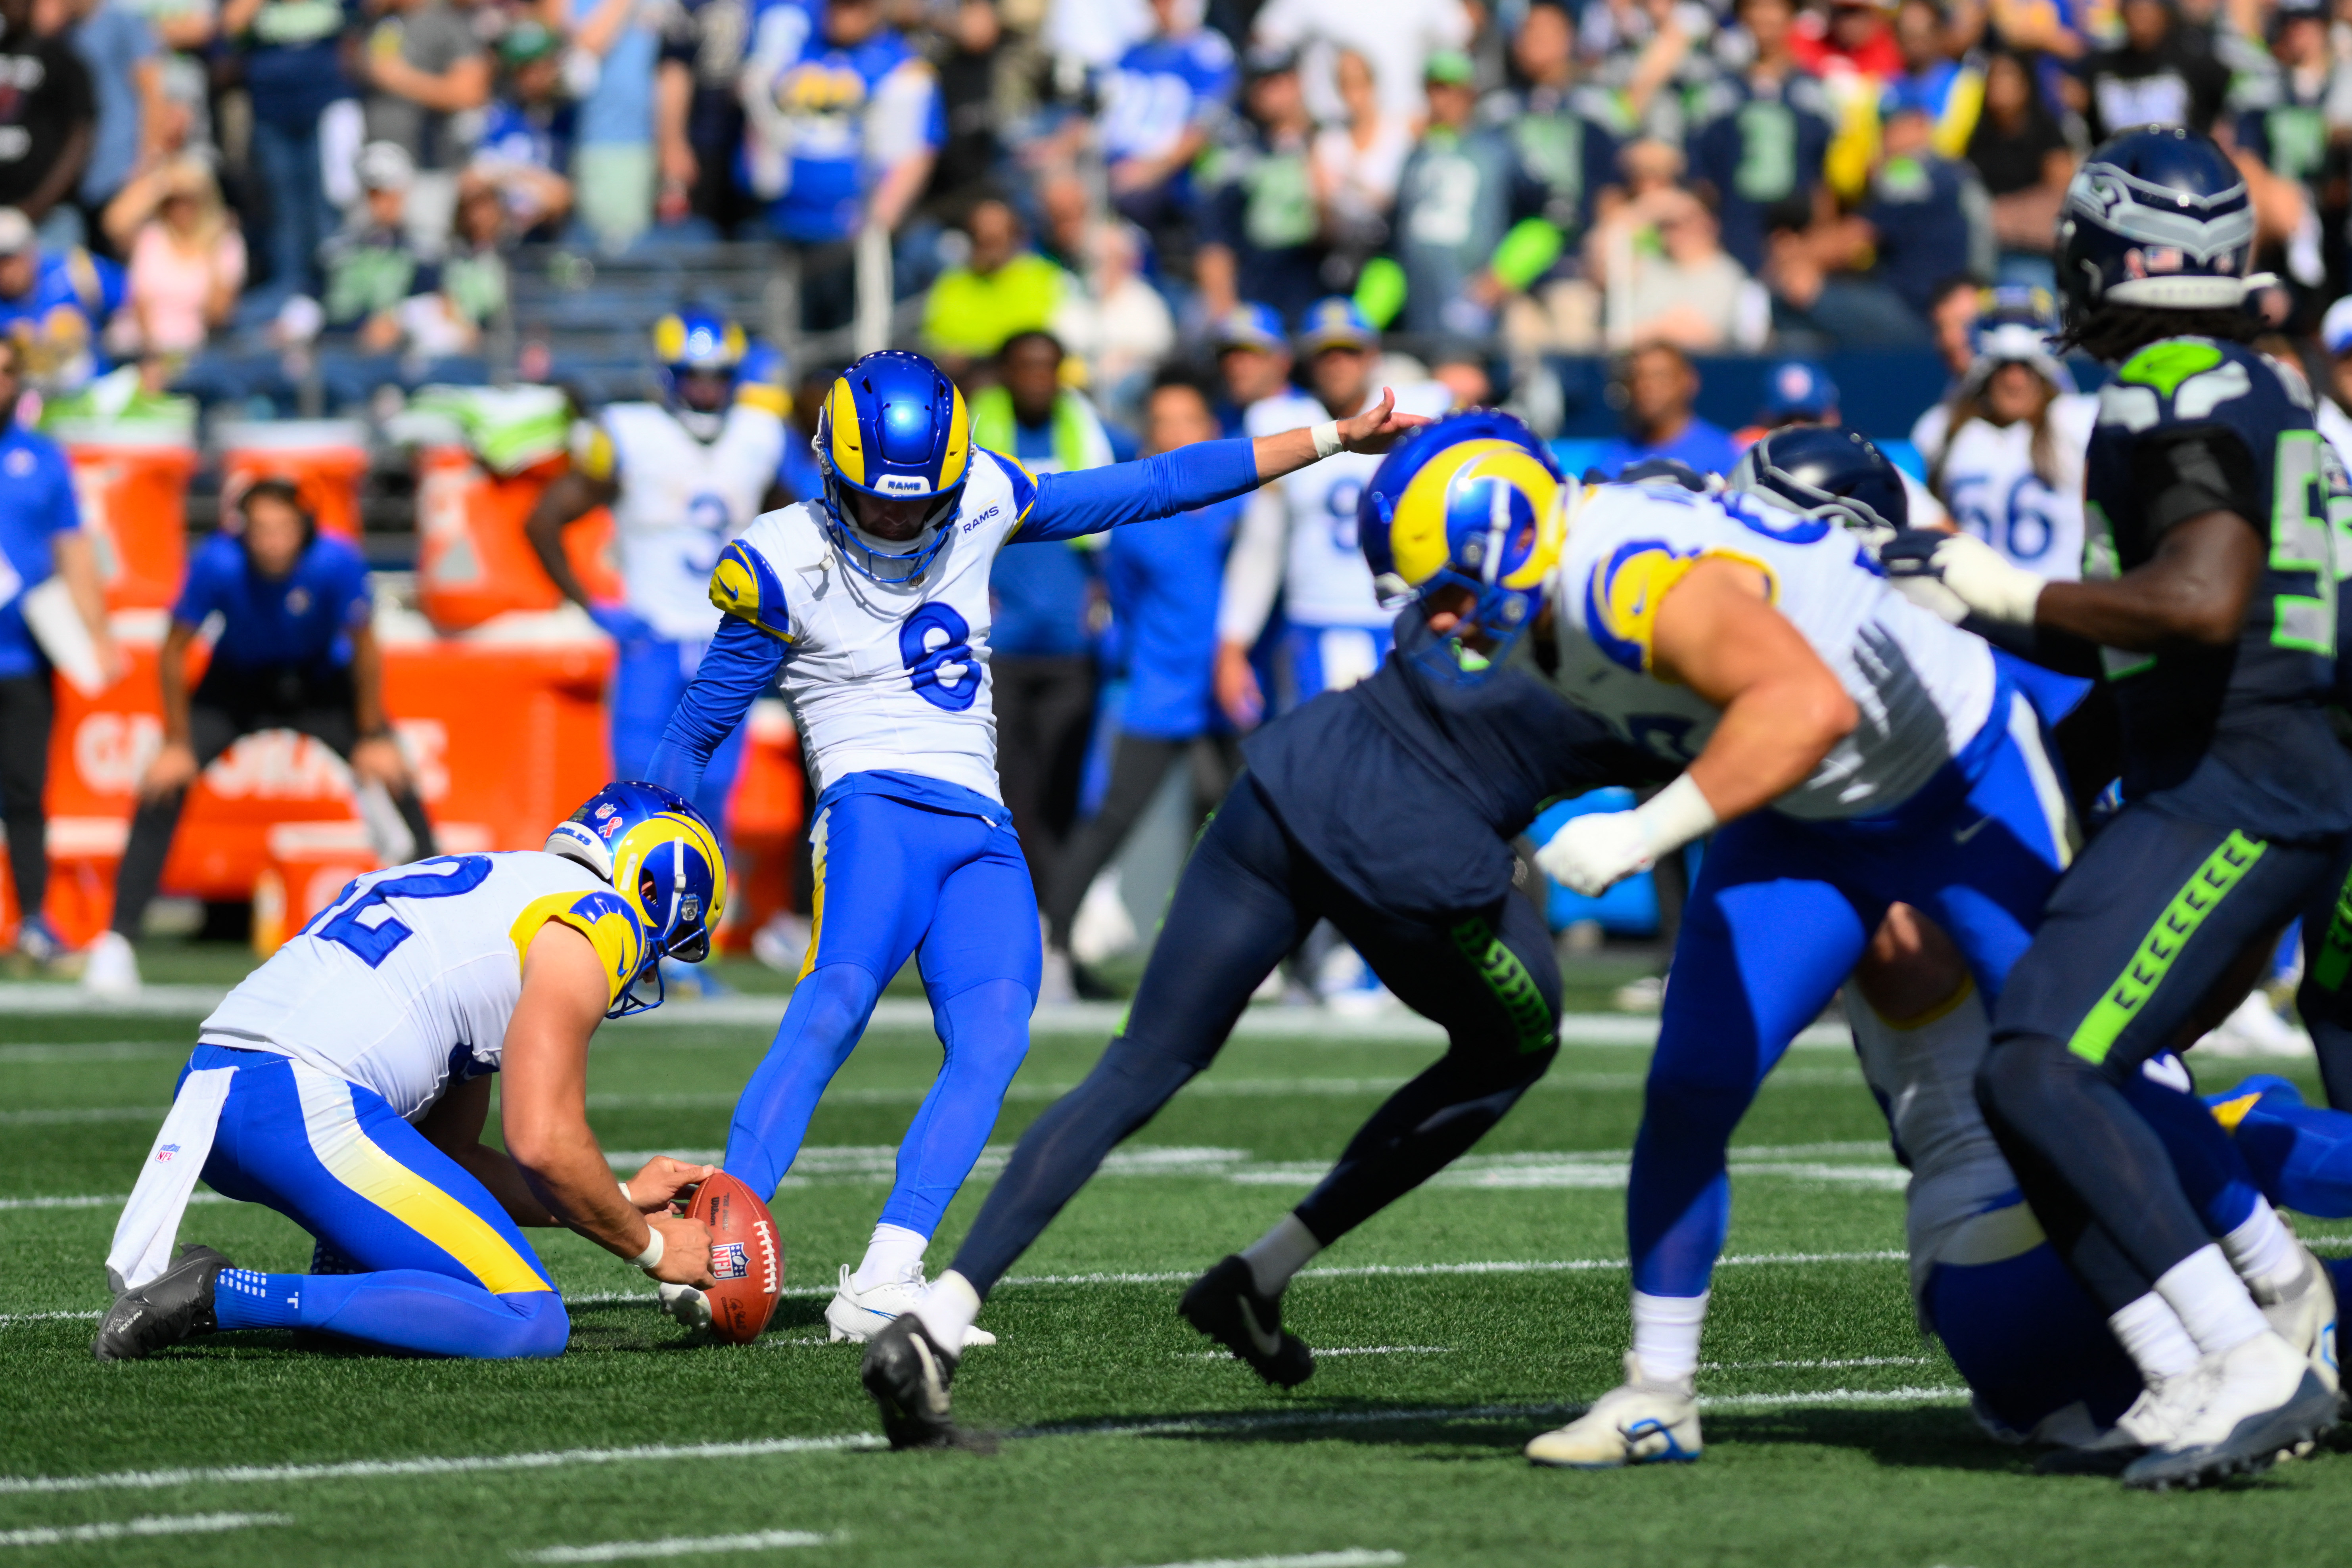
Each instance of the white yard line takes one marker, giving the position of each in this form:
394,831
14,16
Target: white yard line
1323,1352
1354,1557
1815,1365
674,1546
471,1464
183,1524
77,1053
58,1115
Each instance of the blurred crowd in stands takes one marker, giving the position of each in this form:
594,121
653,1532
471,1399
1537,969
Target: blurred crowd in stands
256,178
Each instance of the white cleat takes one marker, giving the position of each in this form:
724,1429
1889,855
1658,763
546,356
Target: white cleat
1057,983
2303,1311
857,1315
2255,1029
110,966
2154,1419
1643,1423
2262,1400
782,943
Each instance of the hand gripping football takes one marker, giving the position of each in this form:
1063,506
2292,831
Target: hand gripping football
747,1257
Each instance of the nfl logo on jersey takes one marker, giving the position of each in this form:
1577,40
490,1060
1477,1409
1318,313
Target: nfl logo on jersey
729,1262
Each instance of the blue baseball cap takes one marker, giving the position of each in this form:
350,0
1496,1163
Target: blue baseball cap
2335,328
1336,323
1793,386
1250,326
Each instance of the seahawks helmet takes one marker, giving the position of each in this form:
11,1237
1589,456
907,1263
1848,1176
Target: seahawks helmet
2159,216
664,862
1471,502
1826,471
892,429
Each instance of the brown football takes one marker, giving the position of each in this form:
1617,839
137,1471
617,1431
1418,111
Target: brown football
747,1257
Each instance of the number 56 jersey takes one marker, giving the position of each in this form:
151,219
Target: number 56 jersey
883,675
1923,688
404,983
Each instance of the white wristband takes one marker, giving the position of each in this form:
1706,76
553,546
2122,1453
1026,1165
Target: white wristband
626,1197
1675,816
1326,437
650,1259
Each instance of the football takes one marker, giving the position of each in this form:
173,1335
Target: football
747,1258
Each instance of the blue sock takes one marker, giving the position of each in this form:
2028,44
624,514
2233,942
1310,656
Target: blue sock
243,1298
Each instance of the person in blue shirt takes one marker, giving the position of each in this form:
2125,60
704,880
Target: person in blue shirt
1164,578
54,304
1661,384
845,123
41,538
1759,136
293,72
1161,104
1042,600
295,651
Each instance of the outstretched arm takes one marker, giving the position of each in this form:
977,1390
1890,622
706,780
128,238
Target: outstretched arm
1069,505
741,662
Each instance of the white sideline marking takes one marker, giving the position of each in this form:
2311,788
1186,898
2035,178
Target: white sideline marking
674,1546
375,1469
75,1053
1354,1557
183,1524
83,1113
95,1201
1323,1350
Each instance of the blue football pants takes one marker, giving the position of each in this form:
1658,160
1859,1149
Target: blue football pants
892,881
1781,913
427,1260
648,678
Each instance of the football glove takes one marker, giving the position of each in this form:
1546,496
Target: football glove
1591,854
1956,575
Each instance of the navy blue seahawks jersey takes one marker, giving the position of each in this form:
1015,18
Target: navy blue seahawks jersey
1408,789
2236,734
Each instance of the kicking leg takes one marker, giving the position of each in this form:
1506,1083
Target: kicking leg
442,1269
980,964
878,867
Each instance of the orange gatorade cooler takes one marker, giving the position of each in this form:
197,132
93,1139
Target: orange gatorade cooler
764,819
308,863
324,459
473,559
131,478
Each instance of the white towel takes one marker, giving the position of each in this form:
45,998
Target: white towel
151,1220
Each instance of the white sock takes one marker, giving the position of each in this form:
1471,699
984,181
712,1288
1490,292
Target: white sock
2261,1251
949,1308
2151,1334
1665,1334
1280,1253
2211,1301
895,1253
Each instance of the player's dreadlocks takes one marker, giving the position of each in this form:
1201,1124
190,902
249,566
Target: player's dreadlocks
2113,334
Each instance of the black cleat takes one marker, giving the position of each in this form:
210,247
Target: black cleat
908,1373
175,1305
2252,1446
1224,1304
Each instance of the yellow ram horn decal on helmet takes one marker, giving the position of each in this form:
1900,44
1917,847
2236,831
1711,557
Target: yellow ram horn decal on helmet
847,445
1417,534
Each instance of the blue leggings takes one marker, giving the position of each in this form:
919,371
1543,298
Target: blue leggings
952,890
1781,915
427,1260
648,678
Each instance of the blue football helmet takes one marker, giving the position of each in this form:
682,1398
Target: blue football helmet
664,862
2015,326
1472,502
1826,471
893,429
700,354
2156,216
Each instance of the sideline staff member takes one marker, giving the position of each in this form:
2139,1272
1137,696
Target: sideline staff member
40,537
295,652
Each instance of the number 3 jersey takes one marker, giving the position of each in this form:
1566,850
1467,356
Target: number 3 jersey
884,677
2237,734
681,500
404,983
1924,689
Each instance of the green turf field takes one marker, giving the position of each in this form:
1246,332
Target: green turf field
1452,1327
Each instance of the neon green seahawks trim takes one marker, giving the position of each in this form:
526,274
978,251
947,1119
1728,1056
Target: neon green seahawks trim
2222,869
1513,987
2334,960
2167,364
